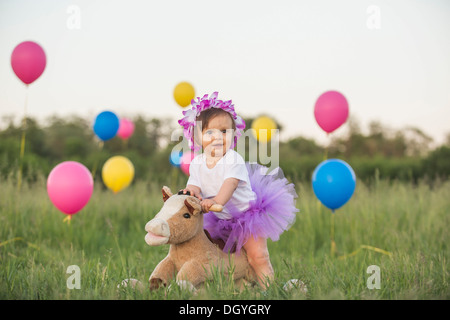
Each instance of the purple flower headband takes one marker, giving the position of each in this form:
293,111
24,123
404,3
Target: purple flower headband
190,116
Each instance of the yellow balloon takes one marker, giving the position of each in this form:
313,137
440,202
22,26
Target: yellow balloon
183,93
263,128
117,173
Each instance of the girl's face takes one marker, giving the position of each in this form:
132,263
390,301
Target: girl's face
218,135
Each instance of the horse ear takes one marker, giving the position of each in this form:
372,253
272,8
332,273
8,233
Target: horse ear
166,193
193,205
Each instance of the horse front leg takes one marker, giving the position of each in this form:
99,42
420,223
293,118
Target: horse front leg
192,274
163,273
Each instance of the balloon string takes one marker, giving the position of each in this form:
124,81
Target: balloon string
68,219
10,240
325,156
333,243
363,246
94,169
19,239
22,141
175,172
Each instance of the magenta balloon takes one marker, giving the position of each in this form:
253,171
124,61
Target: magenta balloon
186,162
126,128
331,110
70,186
28,61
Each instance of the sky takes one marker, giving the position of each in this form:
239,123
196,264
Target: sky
391,59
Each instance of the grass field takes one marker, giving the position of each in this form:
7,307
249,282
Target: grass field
106,241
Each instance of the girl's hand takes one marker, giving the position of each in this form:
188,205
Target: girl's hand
193,191
206,204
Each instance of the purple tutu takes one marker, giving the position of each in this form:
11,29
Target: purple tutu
268,216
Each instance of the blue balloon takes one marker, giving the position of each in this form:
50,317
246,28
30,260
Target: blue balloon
334,182
175,158
106,125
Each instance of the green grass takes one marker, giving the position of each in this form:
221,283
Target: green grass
106,240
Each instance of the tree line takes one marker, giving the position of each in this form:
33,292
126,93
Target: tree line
404,154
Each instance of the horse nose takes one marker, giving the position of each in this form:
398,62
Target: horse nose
158,226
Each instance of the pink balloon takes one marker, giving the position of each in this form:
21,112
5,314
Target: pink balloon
126,128
70,186
186,162
331,110
28,61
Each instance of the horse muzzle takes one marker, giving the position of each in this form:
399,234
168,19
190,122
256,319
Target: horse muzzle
158,232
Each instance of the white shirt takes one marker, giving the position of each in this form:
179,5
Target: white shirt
231,165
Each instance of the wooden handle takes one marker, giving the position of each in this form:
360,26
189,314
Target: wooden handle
216,208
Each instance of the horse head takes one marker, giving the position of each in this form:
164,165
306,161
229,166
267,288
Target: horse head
179,220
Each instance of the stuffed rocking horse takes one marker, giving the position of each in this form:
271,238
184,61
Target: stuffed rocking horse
192,255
